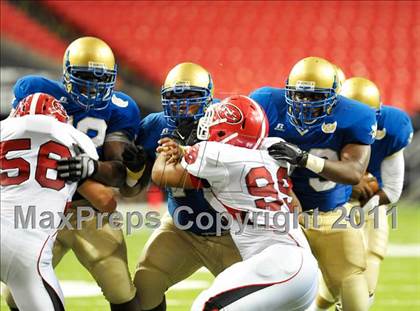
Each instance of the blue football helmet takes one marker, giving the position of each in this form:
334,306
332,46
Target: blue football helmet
311,92
186,92
89,72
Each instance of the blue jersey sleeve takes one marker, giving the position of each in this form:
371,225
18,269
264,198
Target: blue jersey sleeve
398,129
269,99
30,84
405,134
360,124
150,132
125,115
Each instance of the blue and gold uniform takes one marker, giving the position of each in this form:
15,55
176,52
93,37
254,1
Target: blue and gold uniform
386,164
120,114
310,114
394,133
351,123
172,254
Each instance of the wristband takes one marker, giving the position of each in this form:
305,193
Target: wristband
133,177
315,164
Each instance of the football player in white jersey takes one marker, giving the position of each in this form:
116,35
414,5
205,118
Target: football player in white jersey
278,271
33,199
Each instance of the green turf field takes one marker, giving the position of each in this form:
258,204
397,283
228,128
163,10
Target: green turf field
399,284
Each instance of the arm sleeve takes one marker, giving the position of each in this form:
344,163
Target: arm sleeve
117,136
28,85
265,98
149,133
403,136
202,161
392,173
125,116
362,127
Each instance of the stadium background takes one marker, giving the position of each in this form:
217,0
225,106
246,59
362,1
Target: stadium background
244,45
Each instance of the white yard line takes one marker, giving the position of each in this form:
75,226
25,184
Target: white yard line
403,250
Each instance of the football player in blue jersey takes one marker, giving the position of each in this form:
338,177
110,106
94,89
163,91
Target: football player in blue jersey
328,139
386,164
111,119
179,247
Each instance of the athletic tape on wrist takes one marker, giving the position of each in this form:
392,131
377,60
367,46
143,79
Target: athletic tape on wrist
315,164
133,177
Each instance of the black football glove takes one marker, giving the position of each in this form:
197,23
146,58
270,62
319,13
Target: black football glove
284,151
186,132
77,168
134,157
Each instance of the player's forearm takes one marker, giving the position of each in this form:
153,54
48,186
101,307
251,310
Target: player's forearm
343,172
100,196
383,198
170,175
161,172
111,173
354,159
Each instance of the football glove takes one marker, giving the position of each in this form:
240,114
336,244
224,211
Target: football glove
284,151
77,168
134,157
186,132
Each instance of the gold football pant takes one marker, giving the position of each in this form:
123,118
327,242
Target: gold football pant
376,240
172,255
341,258
102,252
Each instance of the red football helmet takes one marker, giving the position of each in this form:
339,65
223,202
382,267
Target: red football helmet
41,103
237,120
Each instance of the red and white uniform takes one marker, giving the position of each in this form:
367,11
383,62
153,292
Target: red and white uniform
278,271
30,146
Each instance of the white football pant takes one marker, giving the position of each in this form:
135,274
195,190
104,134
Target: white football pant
279,277
26,268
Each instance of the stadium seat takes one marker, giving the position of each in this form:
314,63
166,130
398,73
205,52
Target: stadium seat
249,44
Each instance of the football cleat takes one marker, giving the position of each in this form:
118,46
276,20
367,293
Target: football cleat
186,92
237,120
311,92
89,72
41,103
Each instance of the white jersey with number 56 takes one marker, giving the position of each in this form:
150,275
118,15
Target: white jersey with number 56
30,146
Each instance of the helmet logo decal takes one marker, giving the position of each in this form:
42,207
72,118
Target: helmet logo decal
329,128
119,101
231,113
305,85
180,87
96,65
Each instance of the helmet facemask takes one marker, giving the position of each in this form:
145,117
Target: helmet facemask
308,106
184,102
207,121
91,87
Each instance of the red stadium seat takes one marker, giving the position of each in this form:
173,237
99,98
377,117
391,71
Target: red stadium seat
249,44
17,26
